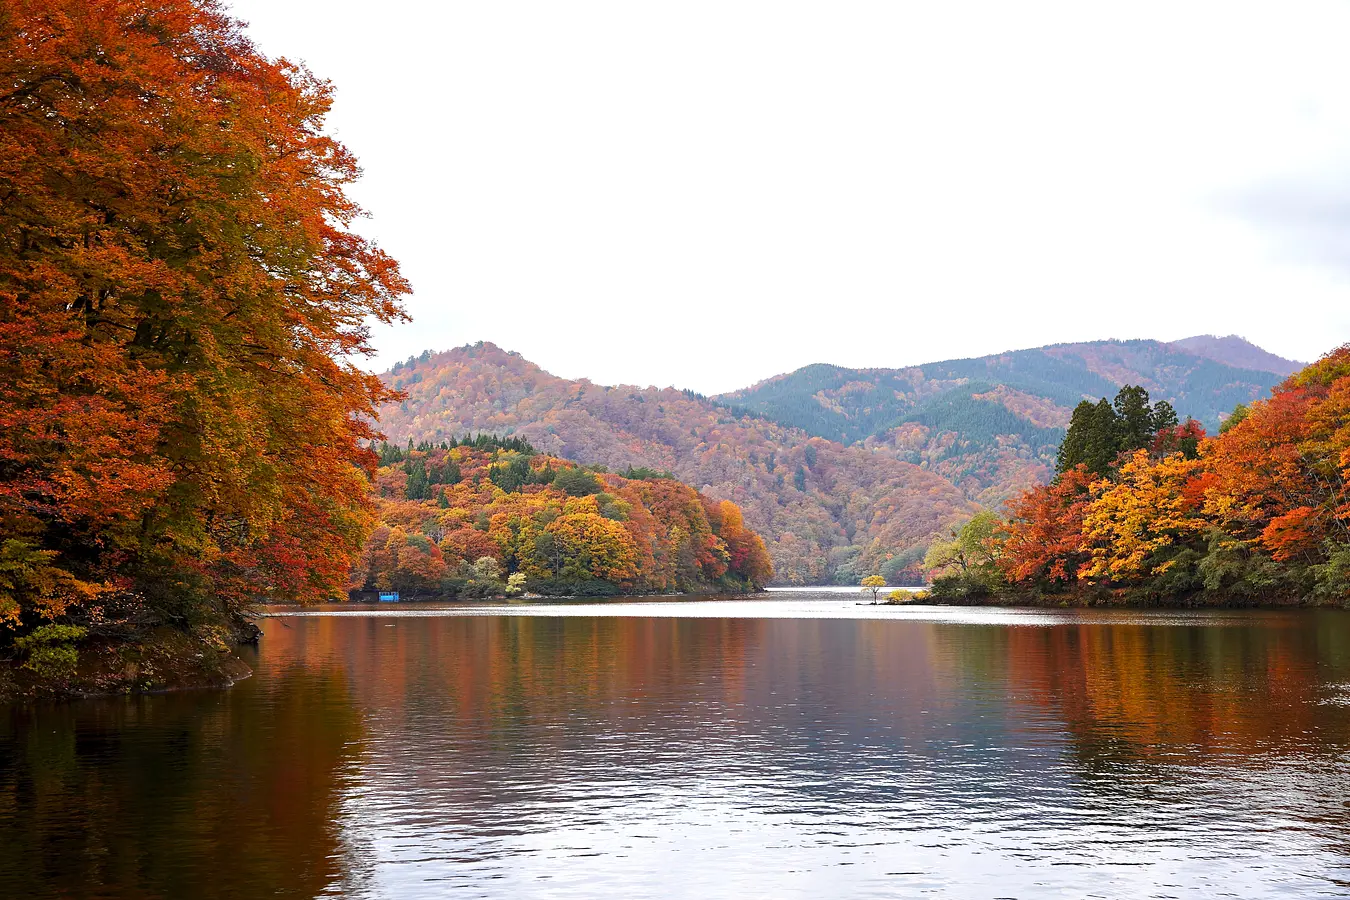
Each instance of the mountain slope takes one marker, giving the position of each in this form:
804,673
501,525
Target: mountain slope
1238,352
825,510
992,424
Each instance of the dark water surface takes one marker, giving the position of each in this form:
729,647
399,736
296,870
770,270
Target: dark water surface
791,747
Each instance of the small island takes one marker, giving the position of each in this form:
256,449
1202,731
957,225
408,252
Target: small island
490,517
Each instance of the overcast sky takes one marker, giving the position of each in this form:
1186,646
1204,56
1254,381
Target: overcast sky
707,194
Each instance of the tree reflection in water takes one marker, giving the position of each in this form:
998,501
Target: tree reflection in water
204,794
409,755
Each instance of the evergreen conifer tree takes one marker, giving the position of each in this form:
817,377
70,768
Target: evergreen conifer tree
1073,450
1164,416
1103,438
1134,419
418,487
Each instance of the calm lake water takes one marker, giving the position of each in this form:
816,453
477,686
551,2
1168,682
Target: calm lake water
795,746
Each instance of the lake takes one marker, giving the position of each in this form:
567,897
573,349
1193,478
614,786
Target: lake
796,746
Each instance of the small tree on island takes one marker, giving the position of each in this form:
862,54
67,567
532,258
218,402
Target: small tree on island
873,583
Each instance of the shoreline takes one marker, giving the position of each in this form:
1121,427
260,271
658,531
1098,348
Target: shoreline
1107,600
165,660
168,660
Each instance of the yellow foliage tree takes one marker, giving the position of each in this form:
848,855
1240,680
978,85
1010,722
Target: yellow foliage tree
1130,521
594,547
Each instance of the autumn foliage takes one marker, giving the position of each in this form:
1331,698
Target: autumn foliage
1258,513
180,295
488,513
827,512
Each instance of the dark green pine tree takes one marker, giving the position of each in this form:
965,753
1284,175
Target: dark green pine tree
511,476
1134,419
418,487
1074,448
799,478
1099,432
520,471
1164,416
1103,438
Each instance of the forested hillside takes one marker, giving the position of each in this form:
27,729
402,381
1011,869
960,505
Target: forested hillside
992,425
1144,510
1238,352
493,517
826,511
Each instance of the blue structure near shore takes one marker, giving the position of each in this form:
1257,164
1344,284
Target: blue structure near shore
388,596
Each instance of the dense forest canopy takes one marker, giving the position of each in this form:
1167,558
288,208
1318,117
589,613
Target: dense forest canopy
486,516
1148,510
181,299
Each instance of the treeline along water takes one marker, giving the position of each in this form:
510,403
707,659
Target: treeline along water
741,749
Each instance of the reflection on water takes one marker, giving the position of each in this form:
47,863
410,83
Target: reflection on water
806,747
204,794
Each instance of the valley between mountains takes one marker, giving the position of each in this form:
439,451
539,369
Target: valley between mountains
842,471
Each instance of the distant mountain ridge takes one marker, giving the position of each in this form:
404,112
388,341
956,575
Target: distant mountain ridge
843,471
991,424
1239,352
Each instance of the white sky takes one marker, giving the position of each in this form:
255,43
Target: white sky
705,194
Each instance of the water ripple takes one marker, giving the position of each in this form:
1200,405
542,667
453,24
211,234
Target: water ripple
784,748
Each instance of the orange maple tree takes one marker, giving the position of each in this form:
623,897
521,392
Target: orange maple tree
1043,533
181,293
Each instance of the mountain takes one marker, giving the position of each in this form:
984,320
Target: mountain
1239,353
843,471
826,511
991,425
